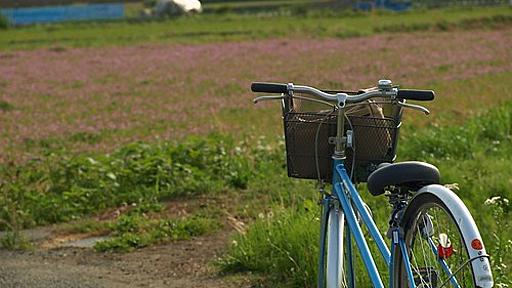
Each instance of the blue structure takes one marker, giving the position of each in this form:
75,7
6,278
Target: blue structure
383,4
32,15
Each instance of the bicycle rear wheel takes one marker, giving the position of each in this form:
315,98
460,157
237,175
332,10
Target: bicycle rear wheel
443,243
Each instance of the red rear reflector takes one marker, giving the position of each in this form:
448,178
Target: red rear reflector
477,244
444,252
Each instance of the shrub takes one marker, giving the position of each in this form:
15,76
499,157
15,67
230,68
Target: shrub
60,187
4,22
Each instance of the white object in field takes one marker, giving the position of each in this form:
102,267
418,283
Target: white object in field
173,7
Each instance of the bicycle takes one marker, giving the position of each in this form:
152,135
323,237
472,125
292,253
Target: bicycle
433,239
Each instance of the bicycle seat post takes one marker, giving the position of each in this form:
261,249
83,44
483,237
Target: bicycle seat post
339,151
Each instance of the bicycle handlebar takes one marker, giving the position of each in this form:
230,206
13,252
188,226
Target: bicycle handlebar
420,95
267,87
382,91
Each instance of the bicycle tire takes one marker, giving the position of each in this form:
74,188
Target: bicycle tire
425,245
334,264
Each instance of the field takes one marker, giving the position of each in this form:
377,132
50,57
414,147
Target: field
145,132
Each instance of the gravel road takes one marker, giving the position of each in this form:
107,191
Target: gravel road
178,264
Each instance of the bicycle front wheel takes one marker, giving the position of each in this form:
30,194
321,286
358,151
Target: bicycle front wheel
443,244
334,252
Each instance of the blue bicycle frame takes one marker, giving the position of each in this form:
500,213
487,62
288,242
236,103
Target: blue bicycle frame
347,195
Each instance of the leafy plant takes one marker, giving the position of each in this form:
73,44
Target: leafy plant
4,105
14,240
501,247
137,231
60,187
4,23
281,244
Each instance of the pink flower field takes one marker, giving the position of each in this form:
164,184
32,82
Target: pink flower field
97,98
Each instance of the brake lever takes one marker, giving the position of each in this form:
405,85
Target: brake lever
415,107
266,98
273,97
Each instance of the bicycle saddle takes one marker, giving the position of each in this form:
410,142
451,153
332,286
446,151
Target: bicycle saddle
411,174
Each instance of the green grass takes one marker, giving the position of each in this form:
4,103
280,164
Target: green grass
233,27
137,231
476,155
5,106
84,226
456,101
281,243
138,178
14,240
60,187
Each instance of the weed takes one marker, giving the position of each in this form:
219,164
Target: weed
12,223
5,106
502,244
137,231
14,240
85,137
4,23
60,188
282,244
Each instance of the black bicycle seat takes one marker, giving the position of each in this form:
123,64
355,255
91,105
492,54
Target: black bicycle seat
411,174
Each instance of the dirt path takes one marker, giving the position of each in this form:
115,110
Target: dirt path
179,264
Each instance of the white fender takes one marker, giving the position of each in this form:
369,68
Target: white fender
474,243
335,248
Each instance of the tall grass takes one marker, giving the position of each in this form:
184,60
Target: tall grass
477,155
276,244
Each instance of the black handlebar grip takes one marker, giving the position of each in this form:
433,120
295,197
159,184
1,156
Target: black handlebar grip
421,95
269,87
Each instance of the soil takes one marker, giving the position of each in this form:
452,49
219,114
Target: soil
178,264
62,258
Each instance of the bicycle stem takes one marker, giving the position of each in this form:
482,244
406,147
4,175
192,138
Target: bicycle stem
339,151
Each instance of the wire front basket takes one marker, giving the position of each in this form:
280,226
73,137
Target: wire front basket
309,137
